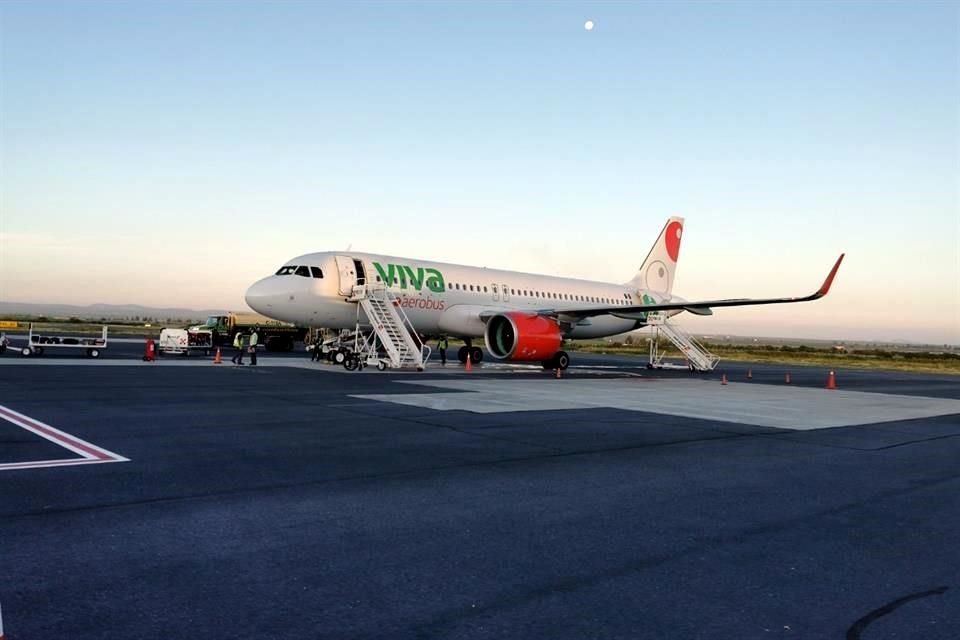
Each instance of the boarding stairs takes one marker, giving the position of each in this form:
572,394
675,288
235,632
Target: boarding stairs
391,327
696,354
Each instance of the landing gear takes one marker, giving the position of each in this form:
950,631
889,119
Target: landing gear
475,353
560,360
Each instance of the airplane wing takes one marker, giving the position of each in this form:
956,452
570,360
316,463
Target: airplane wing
699,307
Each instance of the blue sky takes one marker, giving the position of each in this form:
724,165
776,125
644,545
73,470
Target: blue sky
172,153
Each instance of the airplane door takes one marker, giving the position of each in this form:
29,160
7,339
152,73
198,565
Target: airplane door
496,294
506,293
348,274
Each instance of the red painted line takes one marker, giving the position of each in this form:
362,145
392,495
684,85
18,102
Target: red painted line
90,453
39,464
66,440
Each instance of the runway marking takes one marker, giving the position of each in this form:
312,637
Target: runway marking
89,453
779,406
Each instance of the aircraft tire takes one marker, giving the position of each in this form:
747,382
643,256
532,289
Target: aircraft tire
561,359
476,355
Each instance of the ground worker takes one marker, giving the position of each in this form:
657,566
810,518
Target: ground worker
317,343
237,349
442,345
253,345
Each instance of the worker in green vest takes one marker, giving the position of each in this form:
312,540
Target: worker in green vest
254,339
442,345
237,348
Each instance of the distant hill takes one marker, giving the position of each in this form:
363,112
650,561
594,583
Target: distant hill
109,311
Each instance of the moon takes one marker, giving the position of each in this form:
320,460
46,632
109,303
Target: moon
588,25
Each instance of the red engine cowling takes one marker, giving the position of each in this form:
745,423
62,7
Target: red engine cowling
521,336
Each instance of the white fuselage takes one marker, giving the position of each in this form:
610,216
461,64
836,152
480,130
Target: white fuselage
438,298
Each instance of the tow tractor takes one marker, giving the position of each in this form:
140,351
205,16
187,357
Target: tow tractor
38,343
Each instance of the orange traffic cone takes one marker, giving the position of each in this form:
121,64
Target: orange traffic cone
469,363
217,359
749,374
832,381
786,379
723,379
558,374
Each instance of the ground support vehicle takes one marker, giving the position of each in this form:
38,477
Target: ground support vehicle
367,352
340,347
183,342
273,335
38,343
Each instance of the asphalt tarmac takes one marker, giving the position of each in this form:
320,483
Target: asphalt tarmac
197,501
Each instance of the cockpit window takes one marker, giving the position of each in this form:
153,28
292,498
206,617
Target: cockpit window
303,271
317,273
285,271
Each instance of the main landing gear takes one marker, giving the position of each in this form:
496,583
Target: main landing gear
560,360
476,354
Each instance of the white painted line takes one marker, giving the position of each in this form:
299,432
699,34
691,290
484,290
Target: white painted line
89,453
783,407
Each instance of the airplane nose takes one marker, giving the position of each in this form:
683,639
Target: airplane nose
263,295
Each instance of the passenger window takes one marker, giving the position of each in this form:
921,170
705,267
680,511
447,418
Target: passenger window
484,289
302,271
317,273
471,287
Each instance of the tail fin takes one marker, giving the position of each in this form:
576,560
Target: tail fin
660,267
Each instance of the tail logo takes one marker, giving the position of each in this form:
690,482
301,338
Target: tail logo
657,277
672,239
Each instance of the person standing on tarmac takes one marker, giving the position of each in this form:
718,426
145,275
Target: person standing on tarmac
442,345
253,346
237,349
316,348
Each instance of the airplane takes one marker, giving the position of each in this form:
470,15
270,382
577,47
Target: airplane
522,317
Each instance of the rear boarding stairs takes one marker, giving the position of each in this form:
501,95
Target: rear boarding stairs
698,358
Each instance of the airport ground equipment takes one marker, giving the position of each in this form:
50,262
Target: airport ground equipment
274,335
38,343
341,346
696,354
394,341
184,342
149,350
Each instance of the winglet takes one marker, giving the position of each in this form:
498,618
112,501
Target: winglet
829,281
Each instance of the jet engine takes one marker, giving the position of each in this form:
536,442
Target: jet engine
521,336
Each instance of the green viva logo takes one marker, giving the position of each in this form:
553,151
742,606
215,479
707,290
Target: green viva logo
418,277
